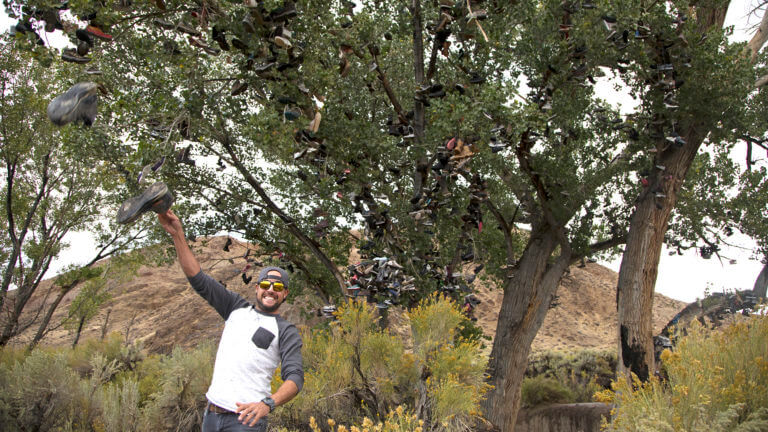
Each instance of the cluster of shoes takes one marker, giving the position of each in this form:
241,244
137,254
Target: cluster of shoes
50,17
713,308
320,229
380,280
459,18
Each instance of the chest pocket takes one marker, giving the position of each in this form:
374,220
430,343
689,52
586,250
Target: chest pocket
262,338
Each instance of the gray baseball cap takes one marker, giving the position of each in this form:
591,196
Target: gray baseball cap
284,278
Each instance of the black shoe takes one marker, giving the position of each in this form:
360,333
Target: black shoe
72,56
156,198
79,103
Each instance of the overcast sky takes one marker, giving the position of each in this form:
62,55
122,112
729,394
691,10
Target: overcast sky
680,277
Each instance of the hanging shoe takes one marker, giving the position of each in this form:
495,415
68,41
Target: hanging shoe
237,43
238,88
183,156
84,36
70,55
97,32
218,35
79,103
156,198
283,42
82,49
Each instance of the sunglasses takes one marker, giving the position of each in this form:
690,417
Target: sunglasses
276,286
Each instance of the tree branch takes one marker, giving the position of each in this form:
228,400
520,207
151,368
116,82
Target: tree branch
277,211
387,87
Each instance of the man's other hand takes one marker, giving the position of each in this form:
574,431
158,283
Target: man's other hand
251,413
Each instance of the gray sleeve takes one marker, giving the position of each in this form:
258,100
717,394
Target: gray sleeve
223,300
292,367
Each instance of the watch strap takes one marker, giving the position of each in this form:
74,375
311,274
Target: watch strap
268,401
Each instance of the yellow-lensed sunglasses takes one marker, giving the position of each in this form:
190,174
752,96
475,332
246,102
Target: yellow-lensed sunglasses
276,286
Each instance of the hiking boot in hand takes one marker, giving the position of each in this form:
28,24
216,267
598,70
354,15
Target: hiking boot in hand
156,198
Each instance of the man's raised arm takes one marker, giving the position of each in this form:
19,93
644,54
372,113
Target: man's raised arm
187,260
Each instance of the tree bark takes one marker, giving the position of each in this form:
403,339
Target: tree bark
41,330
648,224
527,296
79,331
761,283
640,261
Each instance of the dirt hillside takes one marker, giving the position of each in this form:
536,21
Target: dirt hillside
160,308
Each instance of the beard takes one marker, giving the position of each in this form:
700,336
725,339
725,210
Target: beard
268,309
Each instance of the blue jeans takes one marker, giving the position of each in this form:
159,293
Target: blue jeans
214,422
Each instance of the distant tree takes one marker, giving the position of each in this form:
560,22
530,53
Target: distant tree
51,187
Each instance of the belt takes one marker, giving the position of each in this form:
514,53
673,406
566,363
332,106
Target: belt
217,409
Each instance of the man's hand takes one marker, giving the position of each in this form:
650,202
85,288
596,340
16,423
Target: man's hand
250,413
171,223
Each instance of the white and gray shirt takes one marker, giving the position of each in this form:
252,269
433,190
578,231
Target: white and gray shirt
252,345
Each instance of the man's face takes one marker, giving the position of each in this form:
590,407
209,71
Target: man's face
267,300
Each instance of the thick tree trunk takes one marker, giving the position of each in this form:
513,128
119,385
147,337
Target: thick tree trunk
11,324
640,261
527,296
639,264
761,284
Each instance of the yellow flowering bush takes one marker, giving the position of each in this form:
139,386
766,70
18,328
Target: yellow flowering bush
717,381
354,369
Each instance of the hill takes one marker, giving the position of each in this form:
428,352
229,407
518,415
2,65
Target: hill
159,307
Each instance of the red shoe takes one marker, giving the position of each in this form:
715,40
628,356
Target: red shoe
95,31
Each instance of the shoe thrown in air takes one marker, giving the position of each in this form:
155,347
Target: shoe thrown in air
156,198
79,103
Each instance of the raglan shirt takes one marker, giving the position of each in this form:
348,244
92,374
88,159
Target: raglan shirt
252,345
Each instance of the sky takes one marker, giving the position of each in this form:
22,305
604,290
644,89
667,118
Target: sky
683,277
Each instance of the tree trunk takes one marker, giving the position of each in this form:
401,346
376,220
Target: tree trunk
640,261
761,284
79,331
11,325
105,326
41,330
527,296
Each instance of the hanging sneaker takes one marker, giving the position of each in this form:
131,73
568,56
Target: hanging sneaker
70,55
156,198
217,34
97,32
183,156
79,103
238,88
83,48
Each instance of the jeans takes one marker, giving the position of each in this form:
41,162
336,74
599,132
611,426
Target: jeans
214,422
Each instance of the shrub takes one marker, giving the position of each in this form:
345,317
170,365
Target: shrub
355,369
121,411
184,379
716,382
583,372
544,390
39,393
397,420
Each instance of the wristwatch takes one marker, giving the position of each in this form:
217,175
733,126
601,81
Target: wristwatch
268,401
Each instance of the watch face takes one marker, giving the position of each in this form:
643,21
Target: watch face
269,402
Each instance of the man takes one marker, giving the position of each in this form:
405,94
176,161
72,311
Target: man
254,341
